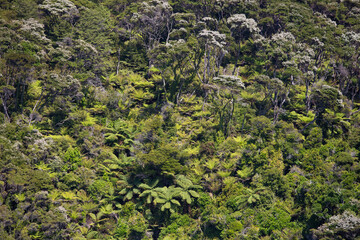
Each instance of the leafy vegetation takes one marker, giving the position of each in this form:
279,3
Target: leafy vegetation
167,119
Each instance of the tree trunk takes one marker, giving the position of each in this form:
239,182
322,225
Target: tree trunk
307,125
118,63
5,110
237,59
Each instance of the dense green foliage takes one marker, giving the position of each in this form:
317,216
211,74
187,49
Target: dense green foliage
216,119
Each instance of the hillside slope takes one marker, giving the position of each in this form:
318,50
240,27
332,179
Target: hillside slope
213,119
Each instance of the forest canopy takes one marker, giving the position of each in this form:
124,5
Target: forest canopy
167,119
